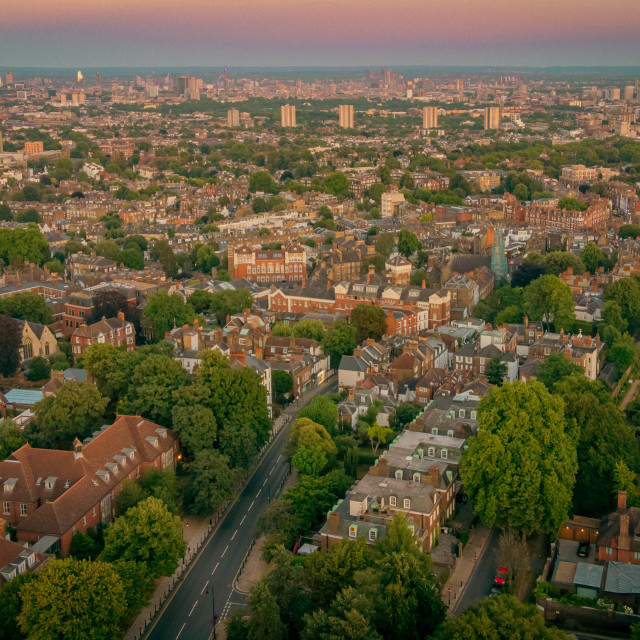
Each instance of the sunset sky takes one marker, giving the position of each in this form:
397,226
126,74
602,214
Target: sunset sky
81,33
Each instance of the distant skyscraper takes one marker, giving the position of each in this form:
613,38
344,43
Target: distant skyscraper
233,118
226,79
614,93
459,84
98,80
1,143
287,115
429,117
8,78
492,118
498,256
346,116
628,92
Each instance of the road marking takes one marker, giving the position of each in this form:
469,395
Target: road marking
206,584
181,628
214,568
192,608
265,481
280,456
251,505
243,519
225,551
234,534
258,494
272,468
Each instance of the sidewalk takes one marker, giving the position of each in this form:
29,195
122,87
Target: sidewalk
466,565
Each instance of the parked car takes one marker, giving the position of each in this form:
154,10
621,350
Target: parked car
583,549
501,577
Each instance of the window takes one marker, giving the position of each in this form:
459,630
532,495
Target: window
353,531
84,520
416,478
431,452
398,474
461,413
609,551
23,509
407,503
46,349
434,431
636,555
474,414
443,454
373,534
450,433
392,501
6,508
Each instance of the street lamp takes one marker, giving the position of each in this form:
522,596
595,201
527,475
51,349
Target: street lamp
213,608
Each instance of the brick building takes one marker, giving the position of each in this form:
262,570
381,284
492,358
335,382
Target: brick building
116,331
272,266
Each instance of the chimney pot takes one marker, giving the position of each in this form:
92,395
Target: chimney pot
622,500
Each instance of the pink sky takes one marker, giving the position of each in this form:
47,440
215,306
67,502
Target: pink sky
263,32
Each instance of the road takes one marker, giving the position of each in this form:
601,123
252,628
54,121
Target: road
481,580
188,612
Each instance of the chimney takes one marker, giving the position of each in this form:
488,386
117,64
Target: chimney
121,315
77,449
368,278
424,284
334,522
434,475
623,538
217,335
622,500
352,395
526,321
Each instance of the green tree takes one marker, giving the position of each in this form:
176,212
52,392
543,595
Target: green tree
376,190
509,315
10,341
311,329
196,426
148,533
282,382
262,181
340,340
627,231
132,259
369,322
281,329
74,412
130,495
496,371
265,623
138,585
503,616
310,461
623,352
11,438
378,435
408,243
337,183
384,244
108,249
307,433
626,293
419,277
592,256
626,480
557,262
57,604
26,306
556,368
322,410
164,311
521,192
39,369
163,253
550,300
404,414
11,605
83,547
228,303
211,483
23,245
201,300
520,469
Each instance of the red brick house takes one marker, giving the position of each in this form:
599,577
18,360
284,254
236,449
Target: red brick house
116,331
47,492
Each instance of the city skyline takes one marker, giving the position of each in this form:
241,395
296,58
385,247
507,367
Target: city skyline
285,33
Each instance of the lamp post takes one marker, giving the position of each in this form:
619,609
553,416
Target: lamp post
213,609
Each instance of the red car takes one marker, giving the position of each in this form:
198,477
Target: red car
501,576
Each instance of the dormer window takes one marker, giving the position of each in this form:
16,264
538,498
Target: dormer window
443,454
434,431
407,503
353,530
398,474
431,452
373,534
392,501
49,483
9,483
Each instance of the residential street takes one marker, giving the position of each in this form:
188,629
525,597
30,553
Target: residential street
188,613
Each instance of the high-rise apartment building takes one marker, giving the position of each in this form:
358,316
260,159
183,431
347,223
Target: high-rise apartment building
628,92
346,116
233,117
430,117
614,93
491,118
8,78
459,84
287,115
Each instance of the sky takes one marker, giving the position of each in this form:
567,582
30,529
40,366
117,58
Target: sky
86,33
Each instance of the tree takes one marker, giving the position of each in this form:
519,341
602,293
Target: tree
11,604
340,340
307,433
10,341
73,599
419,277
322,410
39,369
107,304
496,371
623,352
152,385
520,469
74,412
408,243
626,480
311,329
11,438
83,547
282,382
148,533
521,192
26,306
337,183
163,253
526,273
550,300
262,181
164,311
281,329
196,425
556,368
385,243
228,303
310,461
572,204
502,616
137,582
369,322
108,249
376,190
130,495
509,315
514,555
378,435
626,293
212,482
557,262
265,623
201,300
625,231
592,256
404,414
132,259
23,245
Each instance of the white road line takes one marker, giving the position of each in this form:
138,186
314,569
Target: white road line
181,628
214,568
265,481
258,494
192,608
272,468
280,456
243,518
234,534
206,584
225,551
251,505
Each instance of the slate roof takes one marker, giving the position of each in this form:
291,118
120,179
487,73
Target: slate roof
622,578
